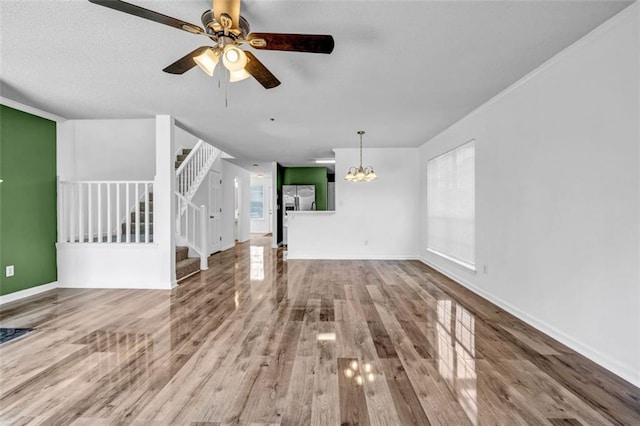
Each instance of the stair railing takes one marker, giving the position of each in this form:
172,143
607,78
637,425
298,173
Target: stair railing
194,169
104,211
191,227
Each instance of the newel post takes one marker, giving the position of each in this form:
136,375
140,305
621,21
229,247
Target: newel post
204,248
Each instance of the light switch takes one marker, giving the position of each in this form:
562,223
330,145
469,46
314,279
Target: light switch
9,271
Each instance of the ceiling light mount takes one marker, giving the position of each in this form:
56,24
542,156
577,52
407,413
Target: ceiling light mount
360,174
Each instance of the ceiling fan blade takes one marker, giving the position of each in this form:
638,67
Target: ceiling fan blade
260,72
313,43
185,63
141,12
230,7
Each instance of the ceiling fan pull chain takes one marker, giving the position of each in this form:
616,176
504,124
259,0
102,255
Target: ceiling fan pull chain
226,88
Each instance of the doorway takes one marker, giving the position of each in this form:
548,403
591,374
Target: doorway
236,208
215,212
260,209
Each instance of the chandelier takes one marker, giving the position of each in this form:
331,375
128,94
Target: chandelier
360,174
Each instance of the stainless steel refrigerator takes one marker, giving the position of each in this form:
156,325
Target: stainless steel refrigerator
296,197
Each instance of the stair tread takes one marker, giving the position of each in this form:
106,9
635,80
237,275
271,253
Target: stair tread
187,261
187,267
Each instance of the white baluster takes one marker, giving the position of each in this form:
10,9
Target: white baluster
193,226
109,212
90,212
137,217
99,196
118,230
186,223
127,232
203,238
146,212
80,213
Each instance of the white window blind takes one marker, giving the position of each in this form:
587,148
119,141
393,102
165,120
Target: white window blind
451,205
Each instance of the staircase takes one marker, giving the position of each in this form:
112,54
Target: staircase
119,214
185,265
137,223
192,166
181,157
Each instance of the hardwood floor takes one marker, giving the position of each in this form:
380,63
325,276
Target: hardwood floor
255,340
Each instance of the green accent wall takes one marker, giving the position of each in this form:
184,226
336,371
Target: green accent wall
309,176
28,224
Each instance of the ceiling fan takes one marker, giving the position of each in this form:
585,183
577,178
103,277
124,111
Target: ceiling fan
228,30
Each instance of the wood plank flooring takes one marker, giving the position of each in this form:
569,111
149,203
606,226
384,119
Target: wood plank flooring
258,341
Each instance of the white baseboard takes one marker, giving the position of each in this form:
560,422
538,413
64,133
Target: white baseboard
227,247
353,257
12,297
627,372
118,286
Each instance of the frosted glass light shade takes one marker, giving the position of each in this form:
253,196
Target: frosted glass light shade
238,75
234,59
207,61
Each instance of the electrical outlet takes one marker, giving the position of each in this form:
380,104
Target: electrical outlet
9,271
366,242
485,269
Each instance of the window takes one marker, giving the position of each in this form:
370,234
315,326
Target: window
257,202
451,205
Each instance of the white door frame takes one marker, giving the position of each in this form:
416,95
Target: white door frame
215,211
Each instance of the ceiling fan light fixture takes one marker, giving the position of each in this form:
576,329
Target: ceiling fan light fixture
207,61
234,59
238,75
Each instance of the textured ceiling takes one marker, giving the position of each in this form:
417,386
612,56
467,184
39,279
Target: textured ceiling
402,71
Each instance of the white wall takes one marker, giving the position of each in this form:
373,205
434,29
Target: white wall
106,149
262,226
373,220
229,172
558,196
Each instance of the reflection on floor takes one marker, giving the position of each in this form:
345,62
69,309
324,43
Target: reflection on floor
255,340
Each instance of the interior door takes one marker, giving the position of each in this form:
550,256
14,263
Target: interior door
215,211
268,208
